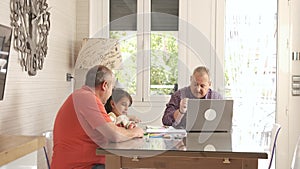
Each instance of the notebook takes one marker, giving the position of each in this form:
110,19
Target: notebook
209,115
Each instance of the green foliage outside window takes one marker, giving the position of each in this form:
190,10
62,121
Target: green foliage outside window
164,61
127,74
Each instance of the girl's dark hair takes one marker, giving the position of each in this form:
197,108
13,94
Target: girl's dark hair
117,95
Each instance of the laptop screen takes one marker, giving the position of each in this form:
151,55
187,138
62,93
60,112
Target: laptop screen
209,115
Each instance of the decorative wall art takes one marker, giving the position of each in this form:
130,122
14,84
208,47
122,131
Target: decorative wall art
95,51
30,20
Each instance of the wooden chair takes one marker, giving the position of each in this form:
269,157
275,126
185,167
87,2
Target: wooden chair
268,141
275,131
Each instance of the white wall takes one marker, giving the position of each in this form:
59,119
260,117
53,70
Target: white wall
293,111
282,154
31,102
287,105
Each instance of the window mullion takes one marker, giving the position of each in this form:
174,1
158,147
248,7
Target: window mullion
140,48
147,50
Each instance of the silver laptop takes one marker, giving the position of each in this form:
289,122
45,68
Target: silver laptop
209,115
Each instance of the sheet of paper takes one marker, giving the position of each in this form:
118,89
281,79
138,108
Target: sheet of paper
169,130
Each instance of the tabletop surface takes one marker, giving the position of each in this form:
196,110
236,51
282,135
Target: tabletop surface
16,146
204,143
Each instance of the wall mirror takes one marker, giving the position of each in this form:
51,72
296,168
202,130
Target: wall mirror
5,41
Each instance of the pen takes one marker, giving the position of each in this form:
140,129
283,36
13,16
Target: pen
146,136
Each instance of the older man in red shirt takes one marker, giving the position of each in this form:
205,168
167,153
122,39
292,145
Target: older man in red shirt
82,124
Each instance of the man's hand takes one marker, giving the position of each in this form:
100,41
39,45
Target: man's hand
183,105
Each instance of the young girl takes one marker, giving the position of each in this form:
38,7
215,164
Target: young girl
117,107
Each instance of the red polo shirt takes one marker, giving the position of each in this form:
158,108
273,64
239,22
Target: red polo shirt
75,134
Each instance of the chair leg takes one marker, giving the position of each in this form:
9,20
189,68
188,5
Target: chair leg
47,159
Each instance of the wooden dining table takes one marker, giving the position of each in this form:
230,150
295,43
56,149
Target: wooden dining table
194,150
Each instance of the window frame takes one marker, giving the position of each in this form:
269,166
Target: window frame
100,19
143,44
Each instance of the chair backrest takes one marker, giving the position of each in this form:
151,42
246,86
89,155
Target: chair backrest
296,157
48,147
275,131
268,141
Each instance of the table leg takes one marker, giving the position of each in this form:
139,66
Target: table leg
112,162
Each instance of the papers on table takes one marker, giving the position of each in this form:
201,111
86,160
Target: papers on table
165,130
